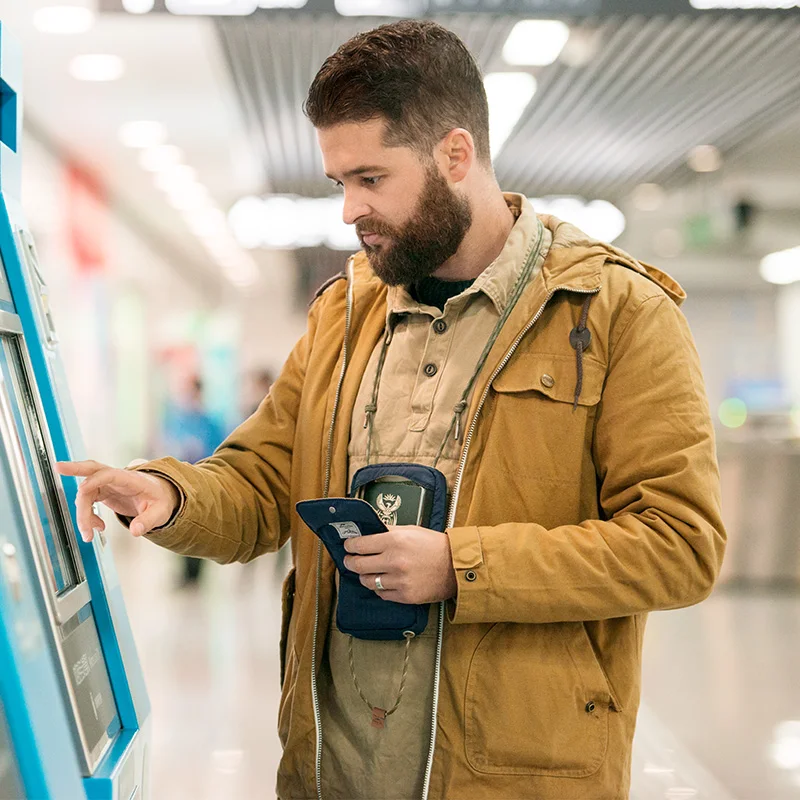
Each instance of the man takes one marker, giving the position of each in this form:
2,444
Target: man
550,378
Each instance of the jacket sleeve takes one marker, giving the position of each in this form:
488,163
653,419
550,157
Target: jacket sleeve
661,540
235,505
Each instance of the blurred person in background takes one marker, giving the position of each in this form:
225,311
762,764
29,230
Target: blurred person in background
191,434
261,381
549,378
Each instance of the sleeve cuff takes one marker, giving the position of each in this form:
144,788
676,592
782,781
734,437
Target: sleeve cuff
471,575
153,534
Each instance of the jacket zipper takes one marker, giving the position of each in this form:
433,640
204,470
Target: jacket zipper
451,515
328,460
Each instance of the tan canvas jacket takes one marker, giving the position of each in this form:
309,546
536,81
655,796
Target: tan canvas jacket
568,522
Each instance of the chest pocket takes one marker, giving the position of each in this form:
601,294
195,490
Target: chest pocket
538,435
552,376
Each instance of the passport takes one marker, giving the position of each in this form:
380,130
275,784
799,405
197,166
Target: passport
398,500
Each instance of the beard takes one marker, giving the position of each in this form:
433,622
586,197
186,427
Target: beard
432,235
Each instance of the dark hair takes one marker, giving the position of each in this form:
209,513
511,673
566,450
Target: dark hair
416,74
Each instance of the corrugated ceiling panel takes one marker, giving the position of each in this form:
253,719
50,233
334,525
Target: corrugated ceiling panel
655,88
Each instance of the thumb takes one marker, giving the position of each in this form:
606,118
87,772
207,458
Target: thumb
150,518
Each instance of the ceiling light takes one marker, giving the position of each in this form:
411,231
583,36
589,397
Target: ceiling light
786,745
380,8
66,19
599,219
282,3
648,197
286,222
212,7
205,221
668,243
160,157
242,279
705,158
245,220
535,42
97,67
707,4
175,177
337,234
138,6
282,223
782,267
581,47
142,133
190,196
508,94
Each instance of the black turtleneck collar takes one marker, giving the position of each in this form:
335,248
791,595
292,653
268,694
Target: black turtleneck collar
432,291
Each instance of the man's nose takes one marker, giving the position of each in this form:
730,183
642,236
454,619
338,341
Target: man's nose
354,208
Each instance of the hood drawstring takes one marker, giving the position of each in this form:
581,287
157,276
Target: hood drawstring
580,338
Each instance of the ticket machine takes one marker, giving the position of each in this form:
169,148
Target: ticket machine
55,588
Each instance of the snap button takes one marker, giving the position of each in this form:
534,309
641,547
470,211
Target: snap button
590,707
440,326
548,380
471,576
431,370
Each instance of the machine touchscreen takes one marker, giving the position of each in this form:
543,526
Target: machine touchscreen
63,567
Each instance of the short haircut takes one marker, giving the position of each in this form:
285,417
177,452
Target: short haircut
416,75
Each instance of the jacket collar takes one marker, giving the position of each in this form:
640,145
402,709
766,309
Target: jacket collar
574,263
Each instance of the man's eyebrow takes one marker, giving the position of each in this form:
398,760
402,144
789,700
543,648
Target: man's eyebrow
351,173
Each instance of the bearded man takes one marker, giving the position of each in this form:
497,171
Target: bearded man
547,380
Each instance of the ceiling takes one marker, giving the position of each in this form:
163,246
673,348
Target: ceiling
230,90
655,88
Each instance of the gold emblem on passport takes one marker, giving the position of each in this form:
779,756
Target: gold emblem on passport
387,506
398,500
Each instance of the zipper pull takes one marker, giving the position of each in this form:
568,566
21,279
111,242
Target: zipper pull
458,411
369,409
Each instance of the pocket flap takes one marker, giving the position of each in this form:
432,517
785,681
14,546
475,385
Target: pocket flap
554,376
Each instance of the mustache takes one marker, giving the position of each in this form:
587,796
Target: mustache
364,227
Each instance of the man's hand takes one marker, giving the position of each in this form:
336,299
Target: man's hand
150,500
414,564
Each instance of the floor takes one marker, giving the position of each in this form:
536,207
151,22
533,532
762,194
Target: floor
720,718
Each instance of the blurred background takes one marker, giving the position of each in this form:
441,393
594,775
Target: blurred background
177,198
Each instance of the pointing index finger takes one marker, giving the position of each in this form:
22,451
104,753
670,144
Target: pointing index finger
79,469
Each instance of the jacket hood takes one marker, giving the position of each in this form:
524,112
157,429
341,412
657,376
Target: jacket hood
577,258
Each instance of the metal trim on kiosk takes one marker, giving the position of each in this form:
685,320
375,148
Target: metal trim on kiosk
62,608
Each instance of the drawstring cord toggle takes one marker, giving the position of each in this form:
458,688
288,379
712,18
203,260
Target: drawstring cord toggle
580,338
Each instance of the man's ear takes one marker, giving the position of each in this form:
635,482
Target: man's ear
456,154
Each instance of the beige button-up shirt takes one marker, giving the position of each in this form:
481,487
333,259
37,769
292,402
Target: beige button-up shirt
429,363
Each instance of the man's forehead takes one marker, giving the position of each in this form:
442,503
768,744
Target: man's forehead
352,148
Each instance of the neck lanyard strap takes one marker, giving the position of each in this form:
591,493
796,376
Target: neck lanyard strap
522,281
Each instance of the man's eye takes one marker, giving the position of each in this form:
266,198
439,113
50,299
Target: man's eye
370,181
